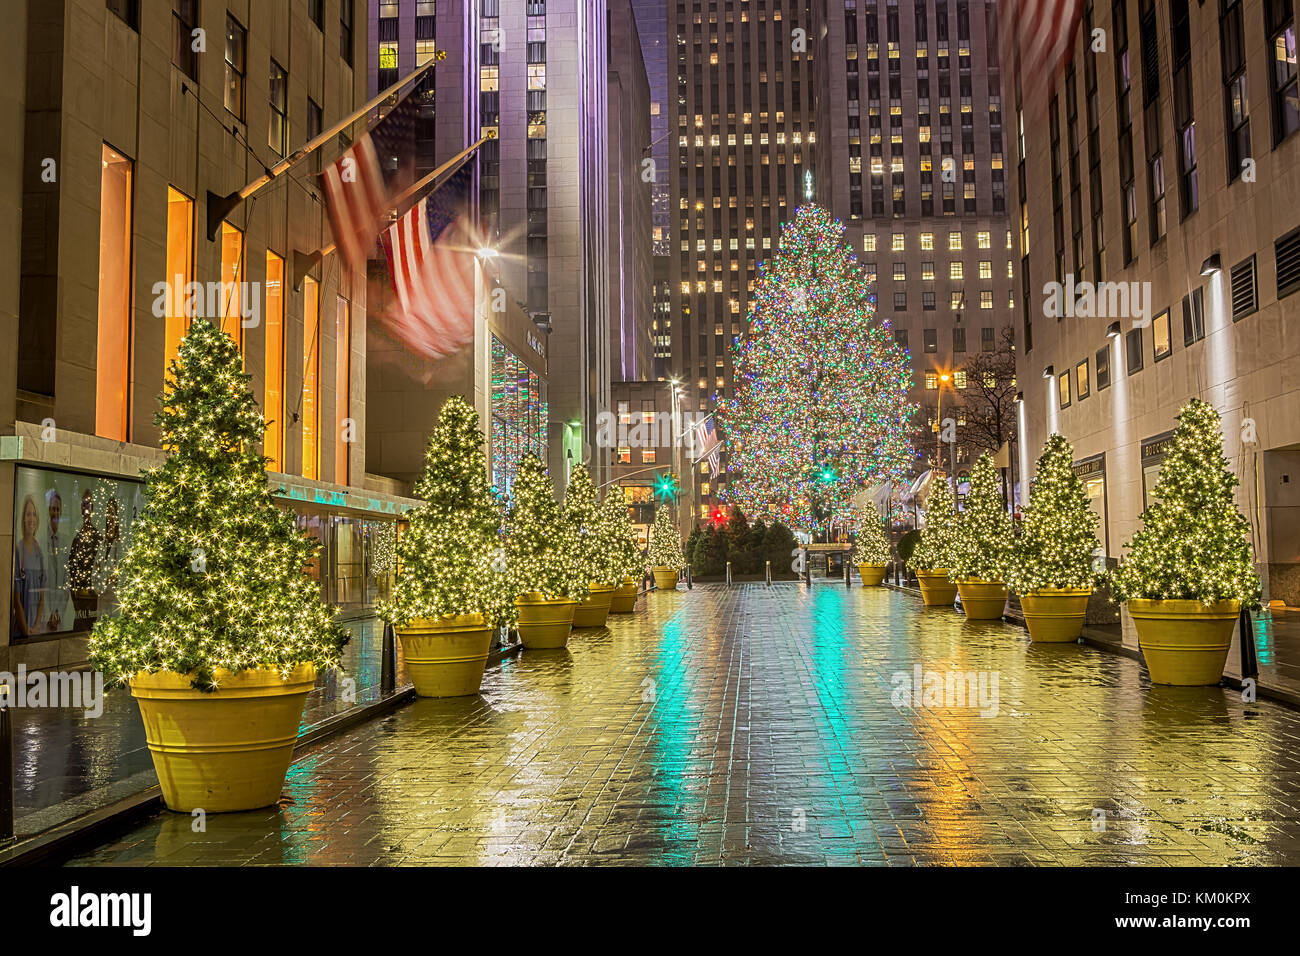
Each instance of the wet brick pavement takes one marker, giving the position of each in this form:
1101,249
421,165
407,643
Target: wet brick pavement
757,725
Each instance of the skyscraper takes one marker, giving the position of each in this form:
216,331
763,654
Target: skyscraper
741,136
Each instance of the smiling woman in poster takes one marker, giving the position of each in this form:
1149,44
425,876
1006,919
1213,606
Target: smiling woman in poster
29,573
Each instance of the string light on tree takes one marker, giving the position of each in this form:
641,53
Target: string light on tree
542,551
937,541
1058,536
982,547
598,545
871,546
820,409
249,603
666,542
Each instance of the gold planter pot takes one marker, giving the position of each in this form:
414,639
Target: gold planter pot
936,589
446,656
873,575
624,598
226,750
982,600
544,623
1184,642
665,578
1055,615
594,607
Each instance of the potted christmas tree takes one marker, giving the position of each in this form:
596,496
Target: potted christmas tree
932,555
543,560
1190,568
666,558
982,549
871,550
595,549
626,554
451,592
1052,565
220,632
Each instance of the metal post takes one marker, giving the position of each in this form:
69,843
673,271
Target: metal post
388,662
807,568
728,574
690,581
6,766
767,572
1249,666
848,583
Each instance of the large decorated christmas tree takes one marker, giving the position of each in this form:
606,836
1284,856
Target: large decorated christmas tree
596,549
1058,536
934,547
665,541
985,537
820,409
542,551
216,574
449,555
1194,543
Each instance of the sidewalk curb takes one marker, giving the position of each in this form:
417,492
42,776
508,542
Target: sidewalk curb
1277,695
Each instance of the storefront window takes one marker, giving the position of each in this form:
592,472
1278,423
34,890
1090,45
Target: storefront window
519,413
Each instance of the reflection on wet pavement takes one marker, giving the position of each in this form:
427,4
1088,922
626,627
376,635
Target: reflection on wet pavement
760,725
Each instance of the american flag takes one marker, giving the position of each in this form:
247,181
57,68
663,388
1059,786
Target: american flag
1042,31
706,437
362,183
431,261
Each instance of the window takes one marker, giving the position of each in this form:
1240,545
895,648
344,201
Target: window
344,427
1161,345
954,241
898,242
232,277
986,269
986,339
1063,388
959,380
113,344
647,456
900,301
931,381
310,401
959,339
927,301
624,455
927,241
957,300
127,10
1286,254
868,242
900,271
236,43
1082,386
185,17
273,399
927,271
931,337
900,338
278,135
180,271
345,30
1280,18
1133,345
956,270
984,240
986,298
1103,367
316,10
1193,317
314,125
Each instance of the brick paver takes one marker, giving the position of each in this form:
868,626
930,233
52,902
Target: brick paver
756,725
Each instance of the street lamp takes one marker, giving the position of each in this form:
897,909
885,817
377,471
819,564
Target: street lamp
938,422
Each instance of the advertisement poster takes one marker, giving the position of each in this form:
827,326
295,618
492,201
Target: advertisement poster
70,532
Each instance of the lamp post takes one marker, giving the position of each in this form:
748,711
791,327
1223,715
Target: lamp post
938,423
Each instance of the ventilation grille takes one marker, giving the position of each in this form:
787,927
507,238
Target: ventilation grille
1244,299
1287,250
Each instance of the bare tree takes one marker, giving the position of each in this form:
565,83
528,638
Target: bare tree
989,398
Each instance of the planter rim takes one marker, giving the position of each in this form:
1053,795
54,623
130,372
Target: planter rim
872,564
942,571
537,597
595,586
1055,592
252,679
1183,607
469,619
991,582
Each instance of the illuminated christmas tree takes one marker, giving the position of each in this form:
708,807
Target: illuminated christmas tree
597,550
820,409
985,537
542,551
449,556
1194,543
215,576
616,527
1058,535
871,547
934,548
665,542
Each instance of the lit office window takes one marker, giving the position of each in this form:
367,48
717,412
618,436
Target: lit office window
113,353
343,392
273,402
310,378
180,271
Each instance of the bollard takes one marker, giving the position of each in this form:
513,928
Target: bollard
847,582
690,581
728,574
1249,666
6,766
388,663
767,573
807,569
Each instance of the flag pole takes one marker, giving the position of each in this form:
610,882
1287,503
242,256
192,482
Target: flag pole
219,207
304,262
